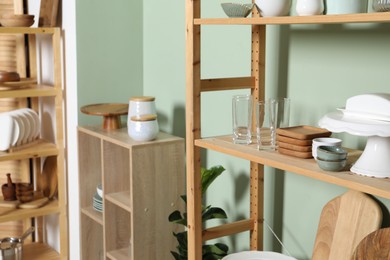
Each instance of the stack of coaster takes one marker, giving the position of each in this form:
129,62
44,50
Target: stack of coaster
297,140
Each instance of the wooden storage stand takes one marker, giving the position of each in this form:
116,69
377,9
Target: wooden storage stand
142,183
41,98
256,83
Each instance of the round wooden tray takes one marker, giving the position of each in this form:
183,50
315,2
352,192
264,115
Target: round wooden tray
111,113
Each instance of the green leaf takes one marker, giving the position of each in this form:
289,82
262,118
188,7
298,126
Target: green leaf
175,217
214,213
209,175
216,251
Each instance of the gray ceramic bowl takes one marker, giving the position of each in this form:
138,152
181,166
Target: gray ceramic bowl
237,9
331,153
333,166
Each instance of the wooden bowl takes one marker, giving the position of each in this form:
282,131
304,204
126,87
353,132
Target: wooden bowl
6,76
17,20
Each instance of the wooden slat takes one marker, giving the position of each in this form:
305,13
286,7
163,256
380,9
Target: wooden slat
315,19
306,167
227,83
228,229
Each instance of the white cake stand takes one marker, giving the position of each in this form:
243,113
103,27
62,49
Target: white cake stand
375,160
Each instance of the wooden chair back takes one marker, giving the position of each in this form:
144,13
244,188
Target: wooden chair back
345,221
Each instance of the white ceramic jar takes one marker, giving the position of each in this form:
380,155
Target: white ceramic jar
273,7
143,128
141,106
309,7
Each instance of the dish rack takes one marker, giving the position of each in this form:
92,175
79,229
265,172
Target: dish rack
381,5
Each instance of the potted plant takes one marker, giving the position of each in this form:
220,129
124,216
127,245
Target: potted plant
209,251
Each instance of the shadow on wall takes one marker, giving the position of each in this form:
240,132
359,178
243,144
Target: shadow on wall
178,127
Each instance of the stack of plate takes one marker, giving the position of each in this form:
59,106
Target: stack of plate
97,202
297,140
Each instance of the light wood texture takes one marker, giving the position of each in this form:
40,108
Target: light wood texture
142,184
303,132
110,112
374,246
344,222
228,229
47,145
39,251
256,83
315,19
48,13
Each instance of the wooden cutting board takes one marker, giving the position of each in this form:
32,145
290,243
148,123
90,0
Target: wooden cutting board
374,246
303,132
344,222
48,13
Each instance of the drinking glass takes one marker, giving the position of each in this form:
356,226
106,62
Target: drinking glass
242,119
266,122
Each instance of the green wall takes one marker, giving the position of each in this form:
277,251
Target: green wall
109,53
318,67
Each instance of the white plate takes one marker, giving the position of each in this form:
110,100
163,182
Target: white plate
258,255
7,131
31,128
37,122
364,115
18,136
26,125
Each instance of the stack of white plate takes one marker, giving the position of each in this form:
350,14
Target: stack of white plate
19,127
97,202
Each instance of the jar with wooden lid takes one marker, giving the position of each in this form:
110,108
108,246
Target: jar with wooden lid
143,105
143,127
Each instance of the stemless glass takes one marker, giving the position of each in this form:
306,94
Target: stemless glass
242,119
266,122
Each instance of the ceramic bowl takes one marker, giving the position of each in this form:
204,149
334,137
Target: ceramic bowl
143,128
237,9
269,8
99,190
329,141
331,153
333,166
17,20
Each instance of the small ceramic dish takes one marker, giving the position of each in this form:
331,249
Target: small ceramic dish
6,135
332,166
99,190
331,153
236,9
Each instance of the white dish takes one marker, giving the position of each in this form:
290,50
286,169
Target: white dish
37,123
376,104
31,128
258,255
26,125
18,136
7,131
359,114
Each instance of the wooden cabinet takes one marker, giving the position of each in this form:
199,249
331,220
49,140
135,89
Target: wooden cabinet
47,101
195,85
142,183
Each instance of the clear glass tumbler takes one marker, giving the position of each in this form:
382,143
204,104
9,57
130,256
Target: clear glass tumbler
242,119
266,123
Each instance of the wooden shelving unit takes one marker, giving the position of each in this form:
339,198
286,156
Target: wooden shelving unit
41,97
142,183
256,83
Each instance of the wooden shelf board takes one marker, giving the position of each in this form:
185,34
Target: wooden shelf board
29,91
28,30
119,254
306,167
315,19
39,251
11,214
41,149
93,214
121,199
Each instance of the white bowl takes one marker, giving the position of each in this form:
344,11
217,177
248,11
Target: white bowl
143,128
273,7
326,141
99,190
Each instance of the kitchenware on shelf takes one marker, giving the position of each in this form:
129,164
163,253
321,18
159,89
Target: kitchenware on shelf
97,202
143,128
99,190
266,117
7,131
273,7
242,119
260,255
346,6
331,153
237,9
309,7
381,5
9,189
17,20
374,160
49,179
297,140
11,248
9,76
48,12
333,166
111,113
143,105
328,141
24,192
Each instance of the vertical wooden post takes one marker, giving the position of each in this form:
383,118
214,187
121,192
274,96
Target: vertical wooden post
257,170
193,131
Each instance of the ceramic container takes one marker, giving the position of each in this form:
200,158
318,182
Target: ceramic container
143,128
346,6
328,141
273,7
309,7
331,153
141,106
333,166
7,131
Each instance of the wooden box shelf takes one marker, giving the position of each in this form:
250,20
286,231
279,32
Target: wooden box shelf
142,183
255,83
